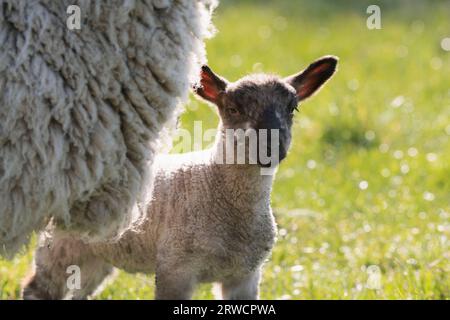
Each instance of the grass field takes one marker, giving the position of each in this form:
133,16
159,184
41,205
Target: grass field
365,191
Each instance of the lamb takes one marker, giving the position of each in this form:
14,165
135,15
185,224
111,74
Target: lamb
82,111
207,220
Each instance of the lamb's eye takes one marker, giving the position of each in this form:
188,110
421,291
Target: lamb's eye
232,111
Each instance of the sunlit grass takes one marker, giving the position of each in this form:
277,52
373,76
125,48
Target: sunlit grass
367,179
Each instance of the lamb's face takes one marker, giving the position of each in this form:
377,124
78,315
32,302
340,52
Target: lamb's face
261,103
264,103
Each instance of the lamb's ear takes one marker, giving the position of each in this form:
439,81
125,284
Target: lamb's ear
312,78
210,86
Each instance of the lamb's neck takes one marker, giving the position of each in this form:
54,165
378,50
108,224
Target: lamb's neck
243,184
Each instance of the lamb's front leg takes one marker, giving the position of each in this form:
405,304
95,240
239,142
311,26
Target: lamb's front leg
175,279
242,288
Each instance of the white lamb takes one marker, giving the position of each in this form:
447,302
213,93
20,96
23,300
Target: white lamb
81,111
206,221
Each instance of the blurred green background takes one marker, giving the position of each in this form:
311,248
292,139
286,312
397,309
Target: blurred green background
364,195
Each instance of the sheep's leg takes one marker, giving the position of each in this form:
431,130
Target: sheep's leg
242,288
64,267
174,283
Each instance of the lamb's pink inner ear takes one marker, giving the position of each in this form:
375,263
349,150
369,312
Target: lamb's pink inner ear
210,85
307,82
210,89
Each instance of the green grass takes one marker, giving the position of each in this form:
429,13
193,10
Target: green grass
381,122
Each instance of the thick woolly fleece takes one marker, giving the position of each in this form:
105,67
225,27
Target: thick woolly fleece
81,111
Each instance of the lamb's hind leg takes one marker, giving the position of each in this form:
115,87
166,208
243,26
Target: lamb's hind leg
242,288
58,261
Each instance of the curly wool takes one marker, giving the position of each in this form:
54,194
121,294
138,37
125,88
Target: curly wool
81,111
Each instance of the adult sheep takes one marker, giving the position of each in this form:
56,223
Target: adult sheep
81,111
